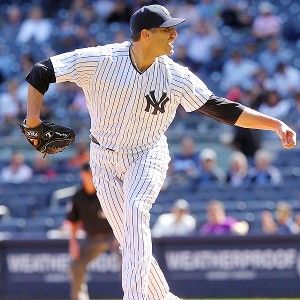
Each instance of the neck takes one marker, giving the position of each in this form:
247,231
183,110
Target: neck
142,58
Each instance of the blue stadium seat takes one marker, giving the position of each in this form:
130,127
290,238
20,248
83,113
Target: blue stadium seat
58,221
159,208
259,205
53,212
9,228
166,197
21,206
12,224
62,196
38,224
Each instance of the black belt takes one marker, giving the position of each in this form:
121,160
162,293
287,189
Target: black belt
94,140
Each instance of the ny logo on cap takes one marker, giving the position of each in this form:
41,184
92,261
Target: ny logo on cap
157,105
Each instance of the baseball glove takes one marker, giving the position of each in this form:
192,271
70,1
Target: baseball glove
51,138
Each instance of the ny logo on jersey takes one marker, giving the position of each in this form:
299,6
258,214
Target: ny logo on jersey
157,105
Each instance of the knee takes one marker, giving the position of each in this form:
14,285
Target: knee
138,210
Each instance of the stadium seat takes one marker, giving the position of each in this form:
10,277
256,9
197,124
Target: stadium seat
12,224
60,197
21,206
53,211
38,224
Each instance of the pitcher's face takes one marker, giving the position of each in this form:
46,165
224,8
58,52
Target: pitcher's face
162,39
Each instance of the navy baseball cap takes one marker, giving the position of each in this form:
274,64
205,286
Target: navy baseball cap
152,16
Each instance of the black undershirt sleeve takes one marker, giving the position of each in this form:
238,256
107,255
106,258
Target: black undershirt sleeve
41,75
221,109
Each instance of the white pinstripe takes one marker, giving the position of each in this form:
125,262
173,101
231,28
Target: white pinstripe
127,206
124,118
115,94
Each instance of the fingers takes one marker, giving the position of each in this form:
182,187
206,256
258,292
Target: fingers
289,139
34,142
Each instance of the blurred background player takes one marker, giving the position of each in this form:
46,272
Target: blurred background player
86,213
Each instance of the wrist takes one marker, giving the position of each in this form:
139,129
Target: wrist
277,126
32,122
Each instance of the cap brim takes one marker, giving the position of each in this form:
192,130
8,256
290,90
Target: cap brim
172,22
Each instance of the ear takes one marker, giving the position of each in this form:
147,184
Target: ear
145,34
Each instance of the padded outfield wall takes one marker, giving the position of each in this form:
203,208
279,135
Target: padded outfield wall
251,266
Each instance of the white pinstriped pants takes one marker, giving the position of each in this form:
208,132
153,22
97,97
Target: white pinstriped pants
127,186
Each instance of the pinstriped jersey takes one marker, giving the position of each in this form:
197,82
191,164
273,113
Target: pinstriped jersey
130,111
